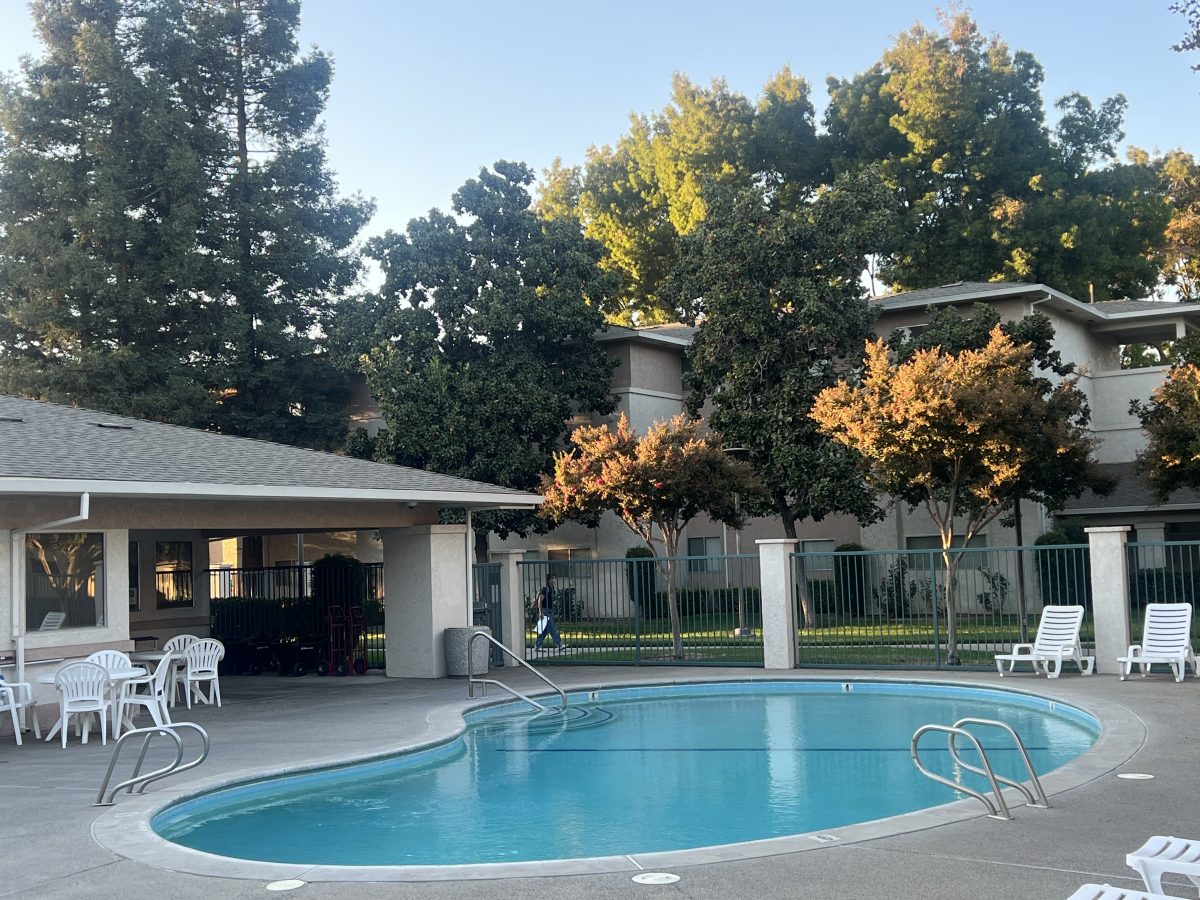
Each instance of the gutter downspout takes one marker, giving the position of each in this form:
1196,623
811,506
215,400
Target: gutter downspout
470,570
17,550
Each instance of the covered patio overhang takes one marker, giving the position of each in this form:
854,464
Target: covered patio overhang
87,481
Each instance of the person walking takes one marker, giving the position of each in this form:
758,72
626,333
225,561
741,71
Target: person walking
545,622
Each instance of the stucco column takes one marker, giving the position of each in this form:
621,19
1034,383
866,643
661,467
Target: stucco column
425,579
778,602
1110,593
512,602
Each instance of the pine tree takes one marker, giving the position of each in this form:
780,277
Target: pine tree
279,238
100,195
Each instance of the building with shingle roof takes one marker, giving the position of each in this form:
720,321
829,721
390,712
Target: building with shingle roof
108,521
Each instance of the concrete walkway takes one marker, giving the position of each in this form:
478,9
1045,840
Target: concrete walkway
269,723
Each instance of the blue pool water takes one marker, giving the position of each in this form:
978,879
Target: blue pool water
628,771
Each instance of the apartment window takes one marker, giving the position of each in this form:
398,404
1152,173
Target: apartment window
920,561
823,563
705,548
64,580
173,574
561,565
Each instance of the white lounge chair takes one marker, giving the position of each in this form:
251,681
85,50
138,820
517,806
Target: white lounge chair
1166,638
1108,892
14,696
1161,855
1057,640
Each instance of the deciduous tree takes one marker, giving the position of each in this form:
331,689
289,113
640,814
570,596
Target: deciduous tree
639,196
954,433
1172,423
956,122
779,298
480,346
654,484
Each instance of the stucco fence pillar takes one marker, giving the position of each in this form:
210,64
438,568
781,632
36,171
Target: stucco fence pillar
425,573
512,603
1109,560
777,579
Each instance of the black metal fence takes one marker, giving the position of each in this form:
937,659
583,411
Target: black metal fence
486,608
279,617
618,611
888,608
1162,572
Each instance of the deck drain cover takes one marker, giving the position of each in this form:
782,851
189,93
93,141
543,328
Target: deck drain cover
289,884
1135,776
656,878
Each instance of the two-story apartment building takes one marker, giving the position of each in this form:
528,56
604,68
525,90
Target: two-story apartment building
649,387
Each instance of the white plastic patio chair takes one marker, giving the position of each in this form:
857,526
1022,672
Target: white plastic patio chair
1160,855
113,660
1166,638
1057,640
52,621
176,646
15,696
200,659
83,689
1108,892
154,699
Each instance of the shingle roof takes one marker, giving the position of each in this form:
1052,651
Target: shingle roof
1130,494
46,441
671,333
958,288
1120,306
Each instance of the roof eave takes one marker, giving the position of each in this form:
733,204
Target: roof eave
199,491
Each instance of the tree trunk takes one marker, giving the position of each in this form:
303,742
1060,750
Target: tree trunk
670,545
951,561
808,611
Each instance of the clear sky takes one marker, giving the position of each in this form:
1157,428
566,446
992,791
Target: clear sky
425,93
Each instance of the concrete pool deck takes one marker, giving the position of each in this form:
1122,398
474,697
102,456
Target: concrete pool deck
47,848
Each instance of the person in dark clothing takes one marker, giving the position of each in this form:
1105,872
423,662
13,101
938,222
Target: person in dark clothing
545,623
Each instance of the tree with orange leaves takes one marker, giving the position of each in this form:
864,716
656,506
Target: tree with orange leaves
654,484
956,434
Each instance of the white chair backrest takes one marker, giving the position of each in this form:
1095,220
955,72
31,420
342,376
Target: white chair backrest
1168,628
179,643
112,660
82,681
202,656
1059,627
162,672
52,621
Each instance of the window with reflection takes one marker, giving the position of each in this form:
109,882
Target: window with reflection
64,580
173,574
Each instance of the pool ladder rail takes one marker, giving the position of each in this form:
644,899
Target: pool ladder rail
137,782
998,809
484,682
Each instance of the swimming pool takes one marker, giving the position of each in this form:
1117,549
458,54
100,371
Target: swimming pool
629,770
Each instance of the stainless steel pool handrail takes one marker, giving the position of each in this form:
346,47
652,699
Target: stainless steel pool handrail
997,810
138,780
1036,797
472,680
